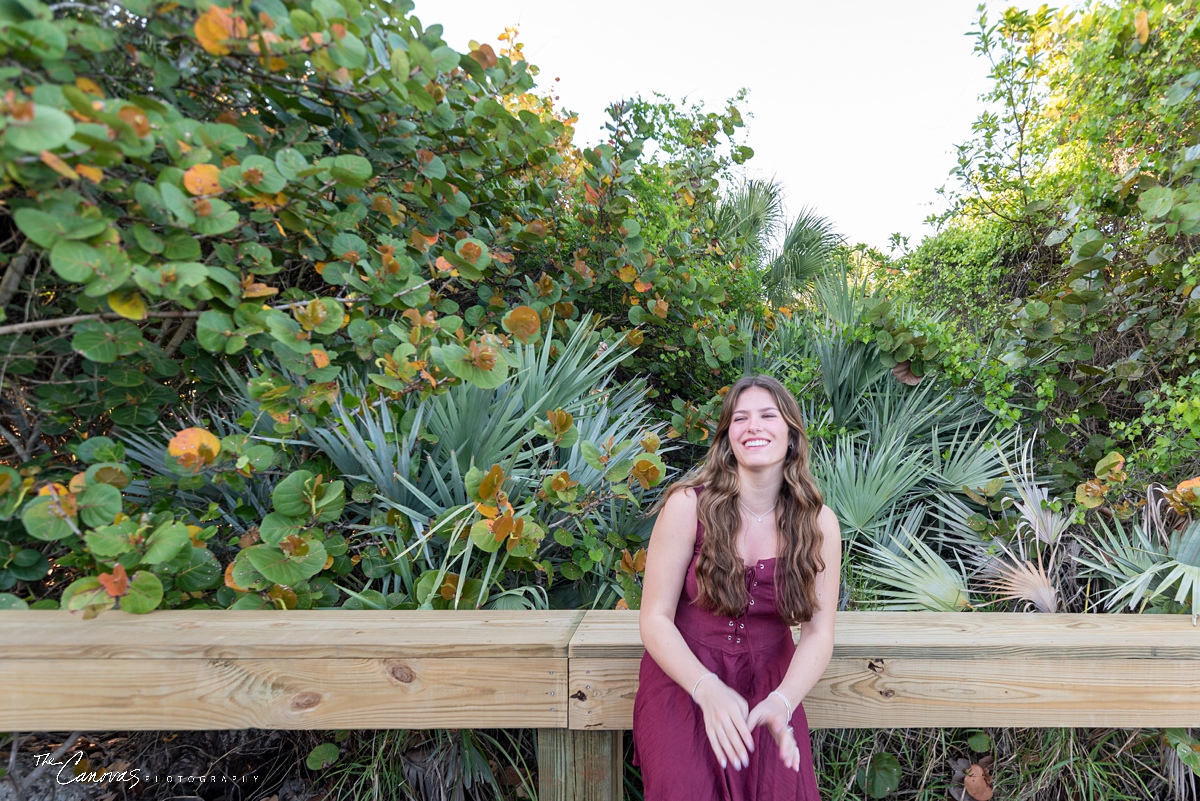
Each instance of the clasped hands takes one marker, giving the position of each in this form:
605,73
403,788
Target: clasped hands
729,723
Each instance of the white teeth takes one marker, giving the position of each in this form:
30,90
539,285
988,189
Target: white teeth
754,443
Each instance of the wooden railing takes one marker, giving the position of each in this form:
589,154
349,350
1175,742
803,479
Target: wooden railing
572,675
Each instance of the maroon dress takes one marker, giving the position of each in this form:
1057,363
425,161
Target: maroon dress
751,654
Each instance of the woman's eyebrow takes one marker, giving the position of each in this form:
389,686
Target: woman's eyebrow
763,409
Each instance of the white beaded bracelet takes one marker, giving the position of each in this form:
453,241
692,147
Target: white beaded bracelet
783,698
697,684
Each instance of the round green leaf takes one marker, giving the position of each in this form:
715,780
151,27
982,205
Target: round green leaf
275,528
483,538
200,570
216,331
322,756
144,595
108,542
281,568
289,497
99,504
77,262
44,521
10,601
49,129
166,542
87,593
880,777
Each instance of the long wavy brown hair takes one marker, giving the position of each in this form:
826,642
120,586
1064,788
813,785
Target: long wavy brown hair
720,572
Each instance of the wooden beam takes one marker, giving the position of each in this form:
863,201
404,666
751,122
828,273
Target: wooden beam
580,765
307,634
933,670
355,693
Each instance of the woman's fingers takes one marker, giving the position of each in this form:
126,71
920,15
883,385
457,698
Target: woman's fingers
718,750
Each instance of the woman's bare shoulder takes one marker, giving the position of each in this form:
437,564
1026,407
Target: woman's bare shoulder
678,516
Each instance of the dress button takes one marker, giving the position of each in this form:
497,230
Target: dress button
730,637
741,625
760,567
752,602
731,622
739,639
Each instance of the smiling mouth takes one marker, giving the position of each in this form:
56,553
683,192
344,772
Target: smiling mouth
755,444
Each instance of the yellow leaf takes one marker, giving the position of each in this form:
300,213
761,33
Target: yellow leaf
88,86
320,357
627,273
215,26
201,179
1141,24
93,174
127,304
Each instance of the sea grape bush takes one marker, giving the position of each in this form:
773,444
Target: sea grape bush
238,219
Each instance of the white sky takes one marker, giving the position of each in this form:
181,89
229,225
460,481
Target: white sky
855,106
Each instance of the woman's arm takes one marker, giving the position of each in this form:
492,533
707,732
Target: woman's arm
814,649
672,544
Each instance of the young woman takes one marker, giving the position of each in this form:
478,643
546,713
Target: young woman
742,550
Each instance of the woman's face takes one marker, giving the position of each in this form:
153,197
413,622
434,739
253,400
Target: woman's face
758,434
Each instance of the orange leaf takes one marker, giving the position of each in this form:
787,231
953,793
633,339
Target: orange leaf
537,228
215,26
523,323
201,179
320,357
58,165
645,472
491,482
470,251
485,56
255,289
627,273
115,583
1141,24
194,448
136,119
642,286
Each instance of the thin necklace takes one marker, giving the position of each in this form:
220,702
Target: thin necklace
755,515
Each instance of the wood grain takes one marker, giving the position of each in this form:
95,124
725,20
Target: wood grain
932,635
298,634
879,693
580,766
351,693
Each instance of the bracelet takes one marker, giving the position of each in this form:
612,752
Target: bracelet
783,698
697,684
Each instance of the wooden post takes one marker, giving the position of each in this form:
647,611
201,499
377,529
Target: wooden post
580,765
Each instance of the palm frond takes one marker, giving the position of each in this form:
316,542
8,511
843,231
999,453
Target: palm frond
1037,516
862,480
803,258
915,577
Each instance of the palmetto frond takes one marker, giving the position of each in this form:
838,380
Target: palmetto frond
1037,516
1015,577
804,256
863,480
752,213
914,577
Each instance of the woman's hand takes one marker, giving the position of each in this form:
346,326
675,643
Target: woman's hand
772,712
725,722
